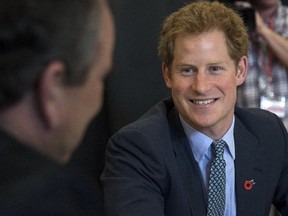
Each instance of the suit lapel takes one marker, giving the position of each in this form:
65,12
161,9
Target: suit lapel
249,202
187,166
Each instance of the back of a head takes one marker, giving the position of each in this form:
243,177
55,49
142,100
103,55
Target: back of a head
35,32
199,17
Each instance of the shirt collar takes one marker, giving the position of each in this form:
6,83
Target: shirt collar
200,142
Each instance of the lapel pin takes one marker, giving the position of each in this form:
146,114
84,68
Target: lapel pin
248,185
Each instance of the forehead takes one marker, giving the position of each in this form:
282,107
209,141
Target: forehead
203,40
203,48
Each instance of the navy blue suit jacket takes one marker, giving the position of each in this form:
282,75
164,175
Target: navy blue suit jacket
150,169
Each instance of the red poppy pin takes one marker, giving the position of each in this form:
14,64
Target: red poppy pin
248,185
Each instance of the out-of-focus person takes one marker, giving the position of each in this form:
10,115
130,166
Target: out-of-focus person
54,56
266,84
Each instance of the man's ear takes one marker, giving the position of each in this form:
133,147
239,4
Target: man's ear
166,75
50,94
242,70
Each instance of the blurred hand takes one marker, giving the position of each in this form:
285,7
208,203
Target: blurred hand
260,25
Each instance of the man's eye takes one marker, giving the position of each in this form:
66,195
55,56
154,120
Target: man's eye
187,71
215,69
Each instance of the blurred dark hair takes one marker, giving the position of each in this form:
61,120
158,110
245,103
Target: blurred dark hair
34,33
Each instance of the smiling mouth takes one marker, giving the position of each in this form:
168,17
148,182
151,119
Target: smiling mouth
203,102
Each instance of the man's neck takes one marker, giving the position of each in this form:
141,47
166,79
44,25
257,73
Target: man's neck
20,122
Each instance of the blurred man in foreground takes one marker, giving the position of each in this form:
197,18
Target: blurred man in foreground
54,57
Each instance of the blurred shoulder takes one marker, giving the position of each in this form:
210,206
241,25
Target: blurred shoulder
256,119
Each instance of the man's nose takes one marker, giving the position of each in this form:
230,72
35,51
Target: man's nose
201,82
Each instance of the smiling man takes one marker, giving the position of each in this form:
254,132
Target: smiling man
196,153
203,79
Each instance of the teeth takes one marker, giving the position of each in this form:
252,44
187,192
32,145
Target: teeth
203,102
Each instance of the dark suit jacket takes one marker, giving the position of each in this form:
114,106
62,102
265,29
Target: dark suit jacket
62,192
18,162
150,169
31,184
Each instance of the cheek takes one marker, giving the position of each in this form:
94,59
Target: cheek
97,96
99,93
229,86
92,97
181,85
